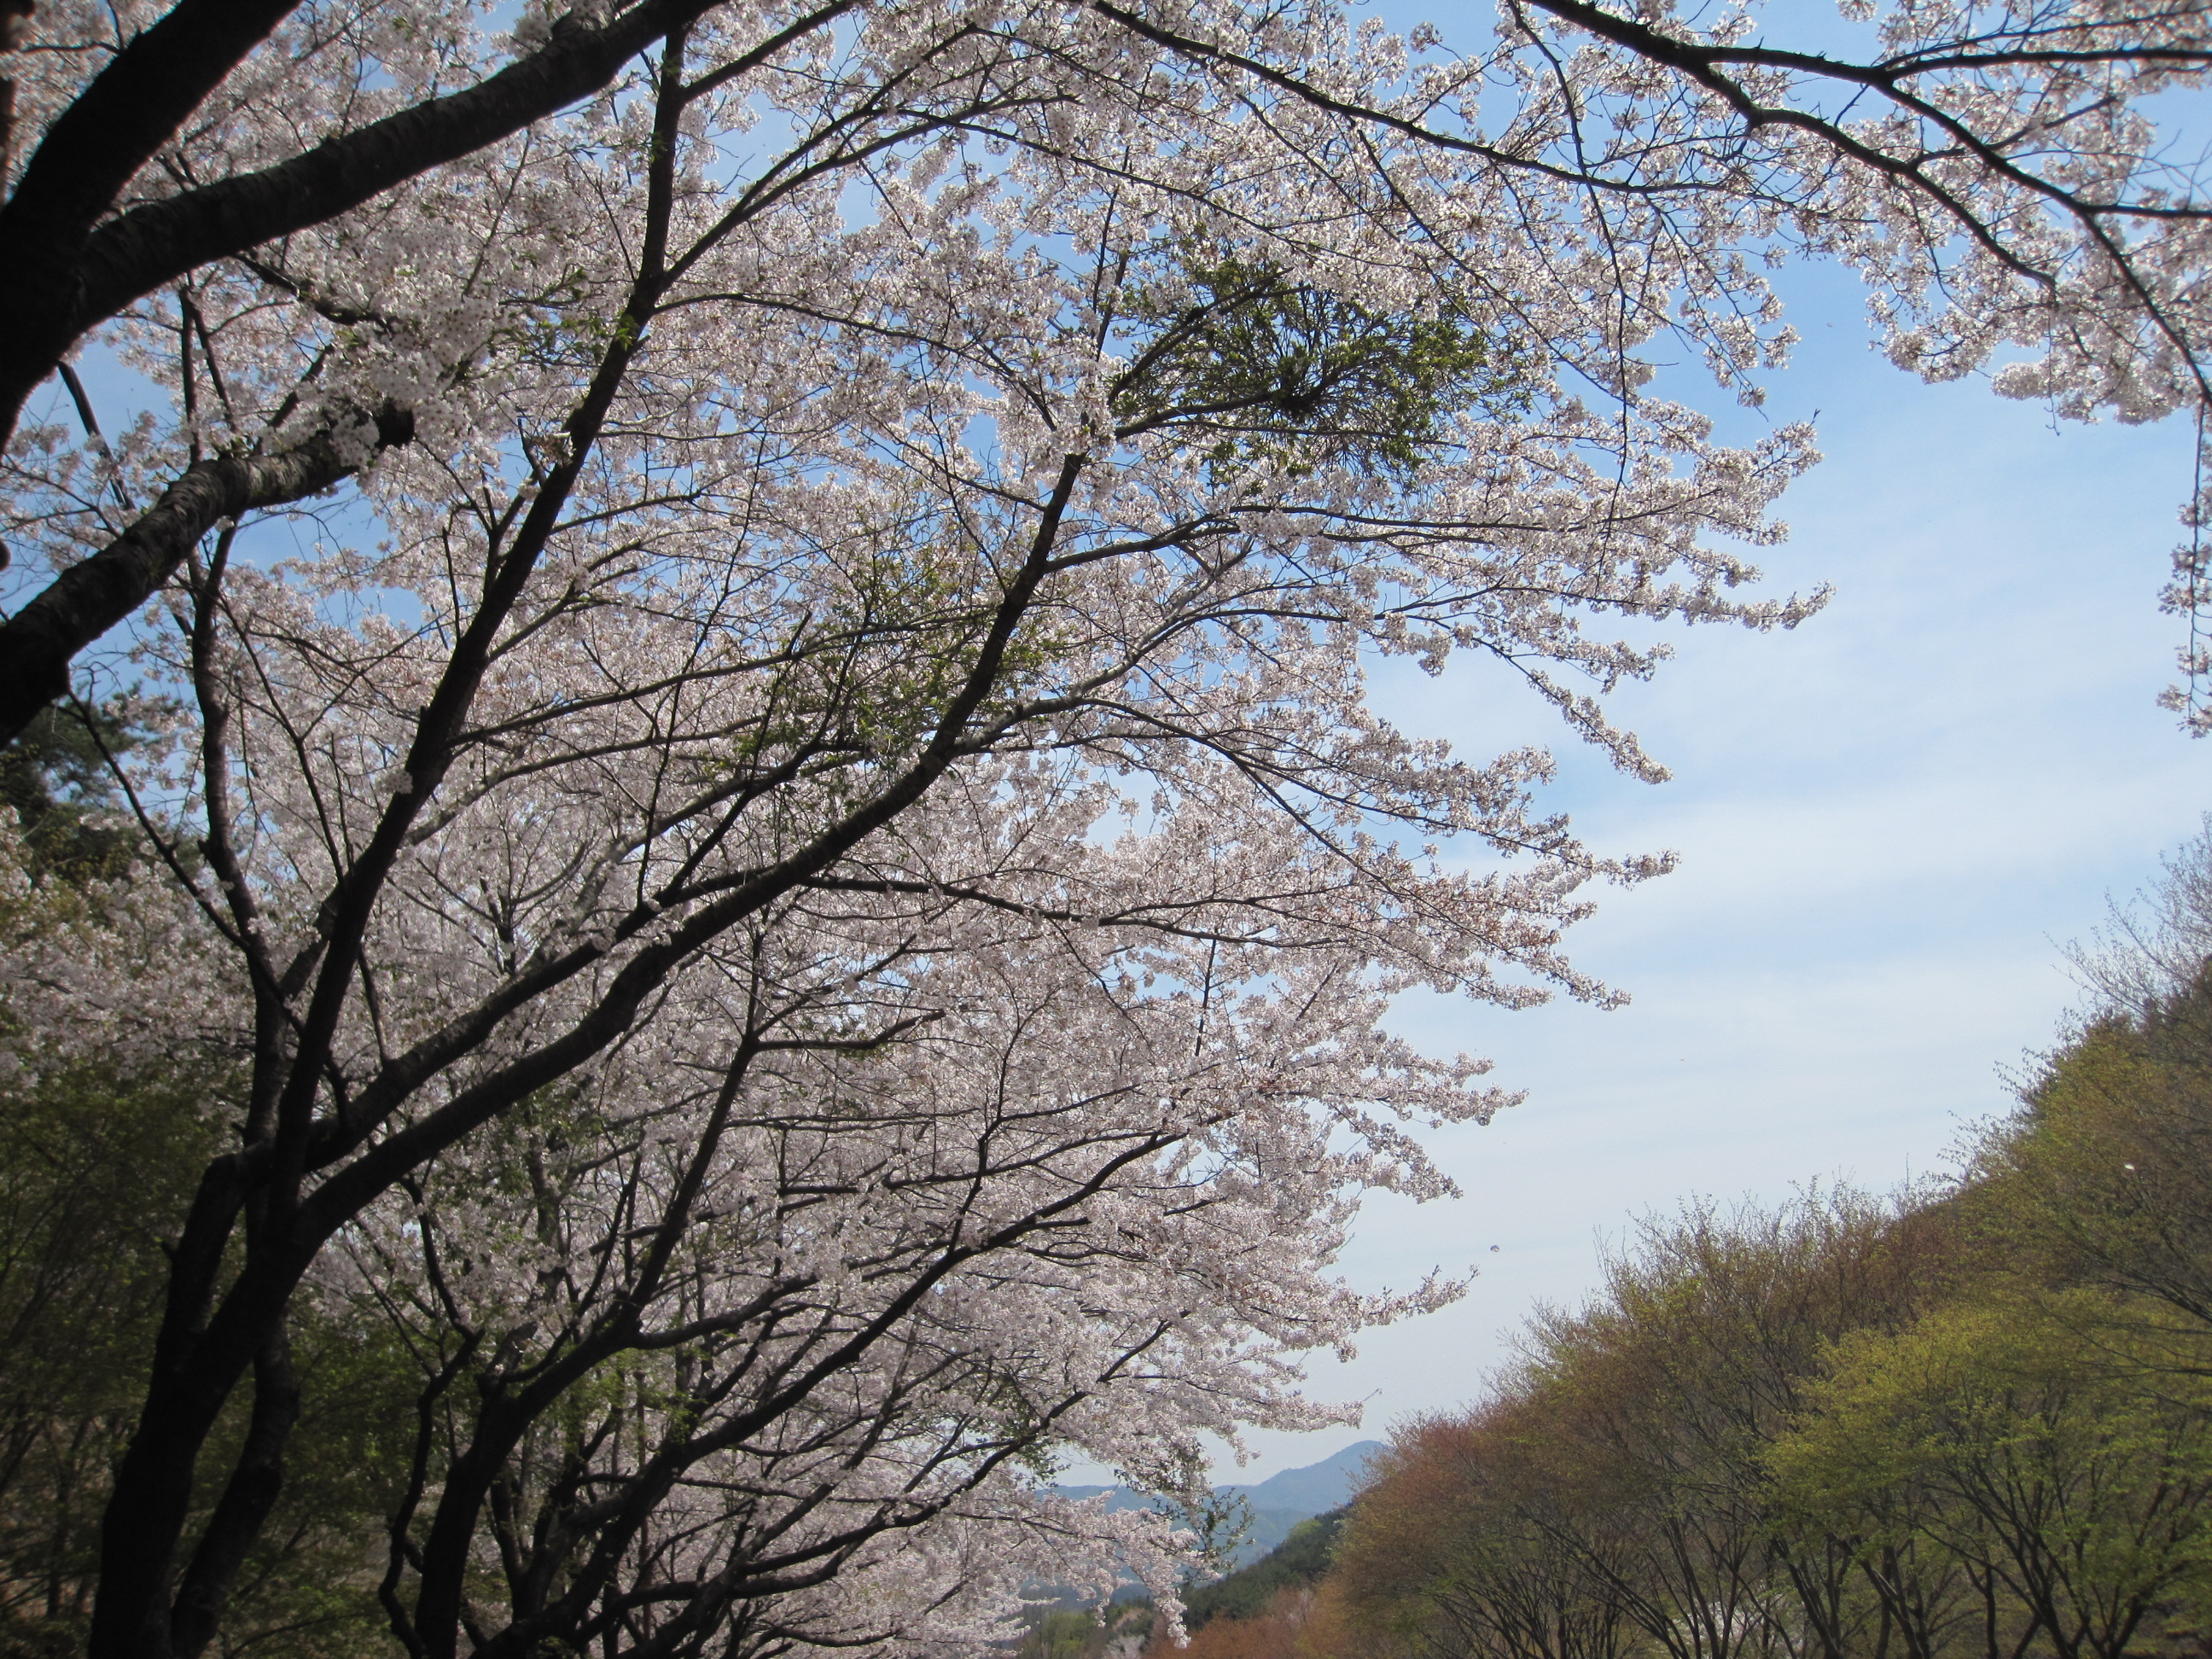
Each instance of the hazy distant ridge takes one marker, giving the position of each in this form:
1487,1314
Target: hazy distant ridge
1277,1503
1315,1488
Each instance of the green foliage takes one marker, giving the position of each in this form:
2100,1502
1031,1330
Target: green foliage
1063,1635
2101,1179
1990,1431
95,1172
1303,1558
98,1167
1077,1633
56,778
1256,369
88,1172
1977,1423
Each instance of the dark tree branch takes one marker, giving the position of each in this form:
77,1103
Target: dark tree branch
133,106
62,278
38,643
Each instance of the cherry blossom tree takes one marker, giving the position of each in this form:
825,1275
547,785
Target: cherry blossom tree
795,887
1990,171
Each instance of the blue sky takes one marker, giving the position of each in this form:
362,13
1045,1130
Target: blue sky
1890,823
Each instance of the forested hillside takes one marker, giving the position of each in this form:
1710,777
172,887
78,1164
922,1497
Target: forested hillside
1972,1421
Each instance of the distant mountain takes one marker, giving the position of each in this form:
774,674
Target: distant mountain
1277,1503
1314,1489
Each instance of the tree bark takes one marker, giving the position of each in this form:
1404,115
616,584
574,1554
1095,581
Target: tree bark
255,1485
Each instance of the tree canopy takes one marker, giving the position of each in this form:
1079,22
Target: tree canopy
1968,1421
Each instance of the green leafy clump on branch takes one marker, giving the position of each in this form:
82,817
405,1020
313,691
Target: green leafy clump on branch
1255,369
1969,1422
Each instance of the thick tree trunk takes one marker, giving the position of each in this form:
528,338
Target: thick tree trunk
255,1483
195,1372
